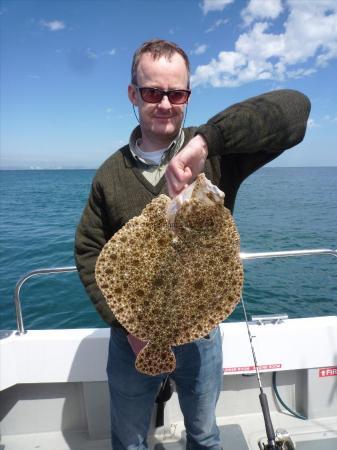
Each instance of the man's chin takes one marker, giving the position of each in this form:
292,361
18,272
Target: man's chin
166,129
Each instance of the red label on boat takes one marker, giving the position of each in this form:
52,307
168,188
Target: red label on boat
328,372
252,368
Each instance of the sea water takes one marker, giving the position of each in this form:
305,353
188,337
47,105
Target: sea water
276,209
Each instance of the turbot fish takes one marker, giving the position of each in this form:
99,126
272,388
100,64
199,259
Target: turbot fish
173,273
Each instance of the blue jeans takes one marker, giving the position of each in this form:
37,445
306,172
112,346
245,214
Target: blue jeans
198,378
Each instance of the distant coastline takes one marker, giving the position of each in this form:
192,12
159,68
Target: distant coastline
41,169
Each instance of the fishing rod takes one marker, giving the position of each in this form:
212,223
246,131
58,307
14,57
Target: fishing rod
281,440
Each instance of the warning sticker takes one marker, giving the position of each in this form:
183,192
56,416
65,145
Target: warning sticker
328,372
252,368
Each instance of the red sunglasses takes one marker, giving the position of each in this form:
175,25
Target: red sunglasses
155,95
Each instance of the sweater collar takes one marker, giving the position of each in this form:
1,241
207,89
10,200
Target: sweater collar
169,152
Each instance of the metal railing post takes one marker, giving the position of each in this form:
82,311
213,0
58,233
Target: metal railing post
22,280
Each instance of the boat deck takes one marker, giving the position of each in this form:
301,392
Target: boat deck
239,433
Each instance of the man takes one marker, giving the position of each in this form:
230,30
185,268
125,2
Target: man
231,146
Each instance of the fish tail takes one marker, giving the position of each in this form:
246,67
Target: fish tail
154,360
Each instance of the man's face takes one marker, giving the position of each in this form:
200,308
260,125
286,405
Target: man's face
160,122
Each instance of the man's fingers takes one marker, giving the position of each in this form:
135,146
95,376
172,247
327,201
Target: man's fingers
176,184
136,344
186,165
177,169
172,184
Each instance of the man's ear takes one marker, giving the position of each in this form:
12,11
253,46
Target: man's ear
132,93
189,98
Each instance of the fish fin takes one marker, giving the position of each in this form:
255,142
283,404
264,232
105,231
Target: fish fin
154,360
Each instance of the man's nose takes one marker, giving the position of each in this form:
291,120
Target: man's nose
165,102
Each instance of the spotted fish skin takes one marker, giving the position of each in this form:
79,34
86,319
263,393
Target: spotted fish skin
173,273
155,359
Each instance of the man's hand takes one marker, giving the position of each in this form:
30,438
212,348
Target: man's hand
186,165
136,344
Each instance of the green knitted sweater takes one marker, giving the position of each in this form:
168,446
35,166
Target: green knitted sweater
240,139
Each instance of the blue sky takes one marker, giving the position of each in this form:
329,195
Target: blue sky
65,67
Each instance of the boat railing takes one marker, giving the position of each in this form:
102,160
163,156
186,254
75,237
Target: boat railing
244,256
21,282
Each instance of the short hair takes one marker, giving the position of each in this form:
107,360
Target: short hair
157,48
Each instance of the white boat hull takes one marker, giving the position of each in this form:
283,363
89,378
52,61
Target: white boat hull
54,394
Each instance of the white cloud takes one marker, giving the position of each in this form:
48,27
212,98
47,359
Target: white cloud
216,25
214,5
91,54
307,43
330,118
312,123
261,9
199,50
111,52
54,25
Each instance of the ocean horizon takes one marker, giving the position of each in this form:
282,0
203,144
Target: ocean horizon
28,169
